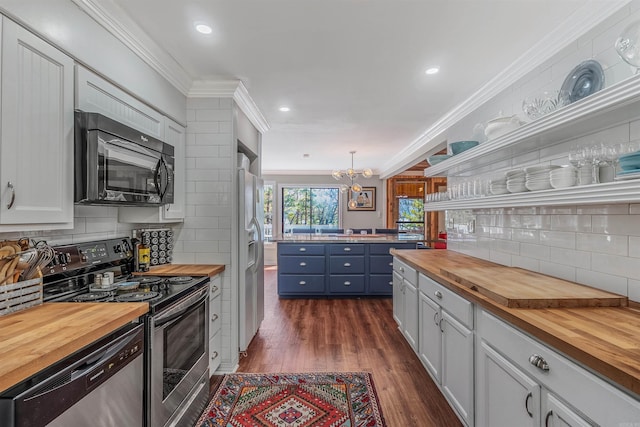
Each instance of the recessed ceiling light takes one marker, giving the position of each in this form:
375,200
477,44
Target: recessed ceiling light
284,109
432,70
203,28
305,155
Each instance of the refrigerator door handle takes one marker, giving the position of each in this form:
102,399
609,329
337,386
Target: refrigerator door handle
257,253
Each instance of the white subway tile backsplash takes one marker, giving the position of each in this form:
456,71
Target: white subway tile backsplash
607,282
560,239
539,252
213,115
633,290
570,257
561,271
603,243
570,223
500,258
557,210
204,127
634,208
634,247
500,233
616,265
616,224
620,209
535,222
525,235
505,246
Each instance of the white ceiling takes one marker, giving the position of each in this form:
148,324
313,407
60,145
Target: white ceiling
352,71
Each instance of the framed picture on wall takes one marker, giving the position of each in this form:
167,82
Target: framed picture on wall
365,200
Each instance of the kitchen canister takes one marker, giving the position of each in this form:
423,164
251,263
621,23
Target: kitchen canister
160,243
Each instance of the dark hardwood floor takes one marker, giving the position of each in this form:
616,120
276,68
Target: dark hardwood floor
299,335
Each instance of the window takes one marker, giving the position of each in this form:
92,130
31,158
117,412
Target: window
305,209
267,226
411,215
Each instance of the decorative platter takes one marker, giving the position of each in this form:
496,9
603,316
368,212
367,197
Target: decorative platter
585,79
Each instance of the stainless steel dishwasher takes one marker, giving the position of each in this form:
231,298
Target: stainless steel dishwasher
99,386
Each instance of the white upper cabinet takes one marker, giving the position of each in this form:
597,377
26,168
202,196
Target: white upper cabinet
36,146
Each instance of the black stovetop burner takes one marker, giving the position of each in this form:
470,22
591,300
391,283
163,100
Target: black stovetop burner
70,277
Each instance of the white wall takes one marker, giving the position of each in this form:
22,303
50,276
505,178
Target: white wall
595,245
205,237
350,219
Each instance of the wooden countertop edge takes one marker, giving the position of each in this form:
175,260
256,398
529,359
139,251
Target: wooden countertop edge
186,269
34,365
616,374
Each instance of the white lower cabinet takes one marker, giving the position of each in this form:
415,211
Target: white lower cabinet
405,301
215,322
505,396
522,382
446,344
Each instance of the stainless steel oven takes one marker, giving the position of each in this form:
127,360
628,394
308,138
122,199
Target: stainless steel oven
179,374
115,164
176,380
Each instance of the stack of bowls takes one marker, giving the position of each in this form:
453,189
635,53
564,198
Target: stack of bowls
516,181
437,158
538,178
630,162
498,186
460,146
562,177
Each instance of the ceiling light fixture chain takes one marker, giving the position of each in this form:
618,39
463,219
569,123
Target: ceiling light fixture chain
351,175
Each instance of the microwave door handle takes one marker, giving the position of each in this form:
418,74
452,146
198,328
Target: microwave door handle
157,177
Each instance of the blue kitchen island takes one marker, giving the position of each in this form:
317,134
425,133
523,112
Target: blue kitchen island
338,265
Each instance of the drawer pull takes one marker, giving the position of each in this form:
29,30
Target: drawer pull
303,264
546,419
214,317
214,356
302,249
302,282
435,318
391,283
347,264
526,404
539,362
347,249
438,294
401,269
347,283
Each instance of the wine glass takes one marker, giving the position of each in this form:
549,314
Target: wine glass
578,158
628,45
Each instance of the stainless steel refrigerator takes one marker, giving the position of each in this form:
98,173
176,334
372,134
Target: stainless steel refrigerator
251,256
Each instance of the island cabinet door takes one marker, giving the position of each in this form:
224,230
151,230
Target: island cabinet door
505,396
430,336
398,301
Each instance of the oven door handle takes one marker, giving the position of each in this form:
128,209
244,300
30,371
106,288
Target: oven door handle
181,307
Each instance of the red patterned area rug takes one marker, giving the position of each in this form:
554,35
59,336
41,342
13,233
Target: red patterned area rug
319,399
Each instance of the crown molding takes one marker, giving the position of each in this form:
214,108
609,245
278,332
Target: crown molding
231,89
120,25
579,23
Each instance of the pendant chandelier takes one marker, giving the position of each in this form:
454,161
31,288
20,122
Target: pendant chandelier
350,175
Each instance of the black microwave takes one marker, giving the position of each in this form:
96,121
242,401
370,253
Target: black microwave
118,165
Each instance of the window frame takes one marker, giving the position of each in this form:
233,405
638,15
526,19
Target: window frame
278,197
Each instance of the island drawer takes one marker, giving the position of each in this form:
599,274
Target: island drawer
346,284
301,264
346,249
300,249
300,284
346,264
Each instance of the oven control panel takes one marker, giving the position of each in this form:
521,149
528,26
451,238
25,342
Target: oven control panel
82,255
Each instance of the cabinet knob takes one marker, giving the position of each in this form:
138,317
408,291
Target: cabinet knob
302,282
401,269
539,362
391,283
302,249
438,294
347,283
214,289
214,317
347,249
347,264
303,264
214,356
391,264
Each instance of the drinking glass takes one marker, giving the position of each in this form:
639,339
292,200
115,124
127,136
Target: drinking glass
578,158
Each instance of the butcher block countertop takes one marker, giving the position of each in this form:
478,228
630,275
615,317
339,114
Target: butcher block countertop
33,339
184,270
603,338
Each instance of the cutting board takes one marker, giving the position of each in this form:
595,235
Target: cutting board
184,270
519,288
